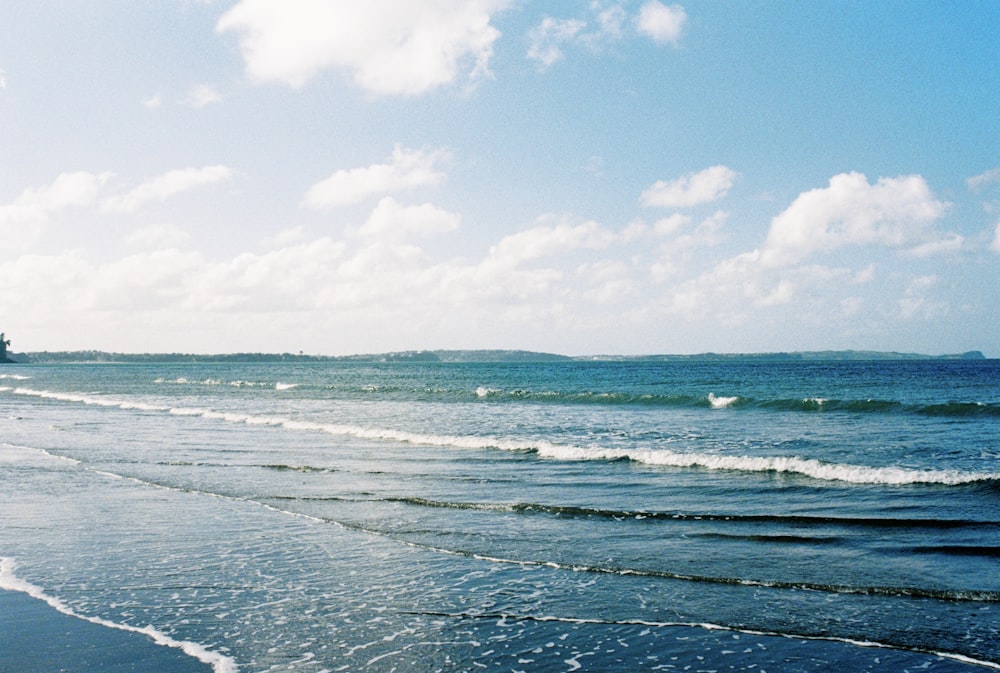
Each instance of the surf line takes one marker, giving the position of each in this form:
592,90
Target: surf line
223,664
889,591
708,626
11,582
808,467
904,592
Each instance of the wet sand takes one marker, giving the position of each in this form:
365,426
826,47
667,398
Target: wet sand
36,638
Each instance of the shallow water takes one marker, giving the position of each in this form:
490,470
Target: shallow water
566,516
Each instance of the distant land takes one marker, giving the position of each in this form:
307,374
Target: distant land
513,356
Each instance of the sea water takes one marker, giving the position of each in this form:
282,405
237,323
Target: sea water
627,516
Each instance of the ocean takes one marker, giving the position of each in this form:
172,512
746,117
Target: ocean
734,515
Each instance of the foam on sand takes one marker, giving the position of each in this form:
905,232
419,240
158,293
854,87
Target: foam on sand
11,582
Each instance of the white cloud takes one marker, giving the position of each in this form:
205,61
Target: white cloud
285,237
692,189
154,101
158,236
611,21
995,246
915,303
668,226
23,219
405,169
202,95
544,240
705,234
389,46
67,190
950,243
990,177
391,220
661,23
603,26
893,212
164,186
3,79
547,37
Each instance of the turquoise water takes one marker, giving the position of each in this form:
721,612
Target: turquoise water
539,517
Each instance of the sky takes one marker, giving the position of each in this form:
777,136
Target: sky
579,177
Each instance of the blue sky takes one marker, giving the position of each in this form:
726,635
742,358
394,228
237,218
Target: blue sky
580,177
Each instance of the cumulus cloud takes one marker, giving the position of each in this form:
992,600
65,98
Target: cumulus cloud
661,23
611,20
990,177
692,189
391,220
158,236
668,226
550,236
67,190
26,215
948,244
405,169
547,37
916,302
164,186
604,25
202,95
995,247
388,46
893,212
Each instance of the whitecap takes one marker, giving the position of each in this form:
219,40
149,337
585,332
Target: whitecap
720,402
285,386
809,467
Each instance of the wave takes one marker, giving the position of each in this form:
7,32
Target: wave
953,595
503,617
494,395
813,404
808,467
641,515
224,665
721,402
239,383
989,551
11,582
33,451
15,377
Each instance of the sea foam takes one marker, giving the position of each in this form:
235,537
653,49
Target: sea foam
720,402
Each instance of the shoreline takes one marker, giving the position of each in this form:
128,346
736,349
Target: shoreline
37,638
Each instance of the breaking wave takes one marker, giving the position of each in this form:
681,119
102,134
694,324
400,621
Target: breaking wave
794,465
801,520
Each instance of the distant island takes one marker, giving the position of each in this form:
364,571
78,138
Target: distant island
493,356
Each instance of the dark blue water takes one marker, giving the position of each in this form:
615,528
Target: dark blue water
564,516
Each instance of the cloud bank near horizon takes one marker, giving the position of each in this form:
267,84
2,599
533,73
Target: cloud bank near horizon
560,270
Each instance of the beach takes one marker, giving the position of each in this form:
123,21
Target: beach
36,638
